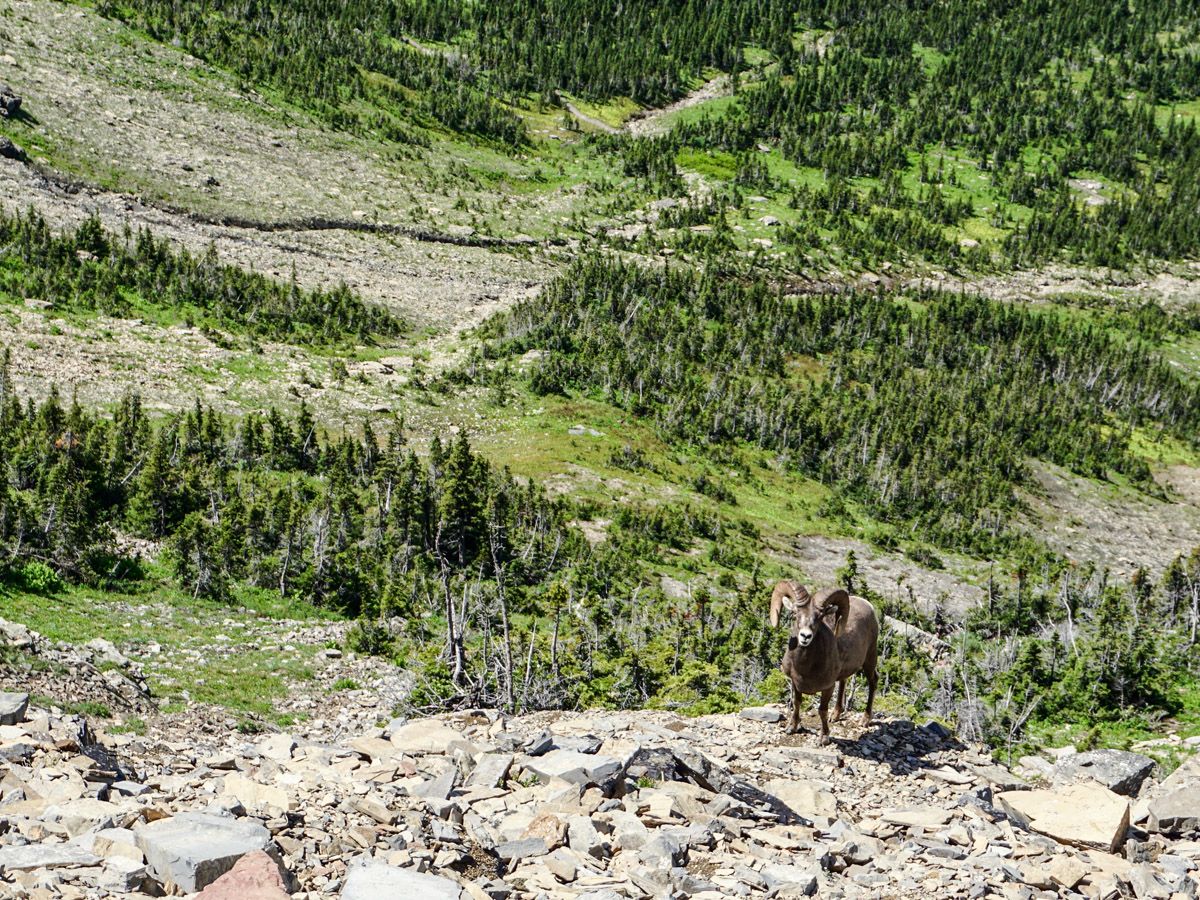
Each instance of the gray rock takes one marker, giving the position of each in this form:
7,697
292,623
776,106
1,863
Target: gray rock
12,708
130,788
44,856
628,831
1120,771
438,788
277,747
583,838
9,150
1146,884
1177,812
1000,778
1175,807
84,814
491,771
105,652
581,743
761,714
797,881
664,850
10,103
539,745
123,876
378,881
193,850
573,766
523,848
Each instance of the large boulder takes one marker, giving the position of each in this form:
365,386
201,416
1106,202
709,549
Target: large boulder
9,150
378,881
1120,771
10,103
1175,805
192,850
13,706
1086,815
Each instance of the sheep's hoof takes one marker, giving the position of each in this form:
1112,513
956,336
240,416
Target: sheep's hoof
826,739
866,719
792,729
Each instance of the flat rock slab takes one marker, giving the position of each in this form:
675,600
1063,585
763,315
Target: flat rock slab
12,707
254,796
761,714
921,817
84,814
193,850
804,797
253,877
1086,815
491,771
378,881
425,736
1120,771
1000,778
44,856
573,766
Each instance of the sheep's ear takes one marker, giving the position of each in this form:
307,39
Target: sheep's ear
789,602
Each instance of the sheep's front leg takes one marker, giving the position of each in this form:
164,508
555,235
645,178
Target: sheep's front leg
823,709
794,725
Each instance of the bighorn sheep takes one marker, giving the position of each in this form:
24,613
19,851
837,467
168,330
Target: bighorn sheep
821,654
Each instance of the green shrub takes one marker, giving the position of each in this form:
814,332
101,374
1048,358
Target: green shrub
38,578
369,638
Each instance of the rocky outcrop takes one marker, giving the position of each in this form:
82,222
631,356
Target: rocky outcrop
10,103
1174,807
1120,771
12,707
604,805
9,150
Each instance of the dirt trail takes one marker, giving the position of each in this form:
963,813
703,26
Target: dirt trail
598,124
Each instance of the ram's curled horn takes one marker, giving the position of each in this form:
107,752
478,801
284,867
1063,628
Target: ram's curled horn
837,598
786,588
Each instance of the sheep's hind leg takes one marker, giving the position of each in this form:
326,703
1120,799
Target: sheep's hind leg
841,700
869,670
794,725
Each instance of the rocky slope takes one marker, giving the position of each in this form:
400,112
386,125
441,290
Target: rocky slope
600,805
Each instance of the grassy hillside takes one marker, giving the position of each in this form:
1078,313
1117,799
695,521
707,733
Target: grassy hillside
537,340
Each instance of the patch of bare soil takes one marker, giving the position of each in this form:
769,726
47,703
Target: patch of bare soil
658,121
1173,289
1086,521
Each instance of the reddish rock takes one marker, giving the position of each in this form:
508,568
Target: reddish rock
254,877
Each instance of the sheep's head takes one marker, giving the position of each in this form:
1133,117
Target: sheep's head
829,607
